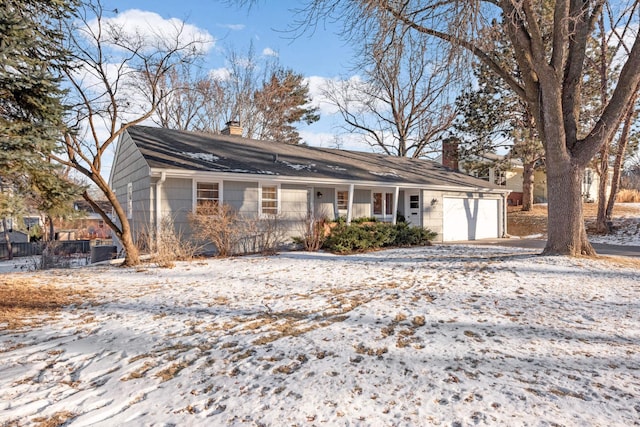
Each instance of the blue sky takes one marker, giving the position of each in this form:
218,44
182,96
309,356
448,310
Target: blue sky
318,55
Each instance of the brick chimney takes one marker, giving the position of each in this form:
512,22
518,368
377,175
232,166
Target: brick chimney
233,128
450,154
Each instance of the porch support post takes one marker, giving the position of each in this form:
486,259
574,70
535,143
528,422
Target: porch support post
350,204
394,214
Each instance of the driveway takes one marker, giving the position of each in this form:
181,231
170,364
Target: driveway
601,248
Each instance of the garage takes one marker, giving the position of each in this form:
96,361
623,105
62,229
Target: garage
470,219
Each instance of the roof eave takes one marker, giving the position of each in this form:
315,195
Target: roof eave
189,174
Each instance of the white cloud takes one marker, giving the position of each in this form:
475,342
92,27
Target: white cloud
222,73
234,27
269,52
155,30
318,86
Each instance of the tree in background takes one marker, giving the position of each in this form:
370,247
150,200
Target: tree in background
400,106
492,117
116,83
267,99
31,108
603,70
549,41
282,101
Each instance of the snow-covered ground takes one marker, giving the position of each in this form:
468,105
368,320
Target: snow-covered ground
441,335
627,228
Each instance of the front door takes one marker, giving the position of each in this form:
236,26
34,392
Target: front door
412,207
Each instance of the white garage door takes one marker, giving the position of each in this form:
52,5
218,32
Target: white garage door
469,219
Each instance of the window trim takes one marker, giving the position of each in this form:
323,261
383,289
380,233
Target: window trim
194,189
346,200
278,199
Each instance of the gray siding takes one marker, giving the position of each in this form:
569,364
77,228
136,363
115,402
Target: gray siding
324,206
361,204
432,212
177,203
294,202
243,196
130,167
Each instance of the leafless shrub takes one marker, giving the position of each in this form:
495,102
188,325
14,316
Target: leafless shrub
628,196
53,257
232,233
167,244
261,235
218,224
313,233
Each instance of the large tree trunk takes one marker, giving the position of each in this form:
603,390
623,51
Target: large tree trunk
52,230
566,231
527,186
7,238
123,232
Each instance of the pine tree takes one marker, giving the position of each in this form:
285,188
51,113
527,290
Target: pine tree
31,108
282,102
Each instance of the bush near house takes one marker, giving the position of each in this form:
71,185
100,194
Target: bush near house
375,235
628,196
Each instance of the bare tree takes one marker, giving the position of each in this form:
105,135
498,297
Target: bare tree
401,104
605,70
117,77
549,40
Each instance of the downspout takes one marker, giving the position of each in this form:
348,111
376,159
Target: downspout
394,218
350,204
163,177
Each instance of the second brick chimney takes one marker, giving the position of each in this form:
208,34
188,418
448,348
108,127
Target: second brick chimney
232,128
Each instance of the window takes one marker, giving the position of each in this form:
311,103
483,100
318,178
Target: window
388,203
342,198
207,194
269,200
414,201
377,203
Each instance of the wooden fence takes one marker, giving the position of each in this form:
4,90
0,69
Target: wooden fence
62,247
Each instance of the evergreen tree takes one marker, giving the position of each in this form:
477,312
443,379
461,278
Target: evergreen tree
493,117
283,101
31,110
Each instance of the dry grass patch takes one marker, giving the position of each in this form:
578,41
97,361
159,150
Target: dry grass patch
527,223
25,303
620,261
628,196
58,419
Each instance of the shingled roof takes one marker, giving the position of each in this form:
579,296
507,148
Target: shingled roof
192,151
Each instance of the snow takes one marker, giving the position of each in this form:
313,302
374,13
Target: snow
626,226
298,167
207,157
440,335
391,173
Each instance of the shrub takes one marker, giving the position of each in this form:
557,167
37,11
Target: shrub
407,235
167,245
232,233
362,237
313,233
218,224
628,196
260,235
